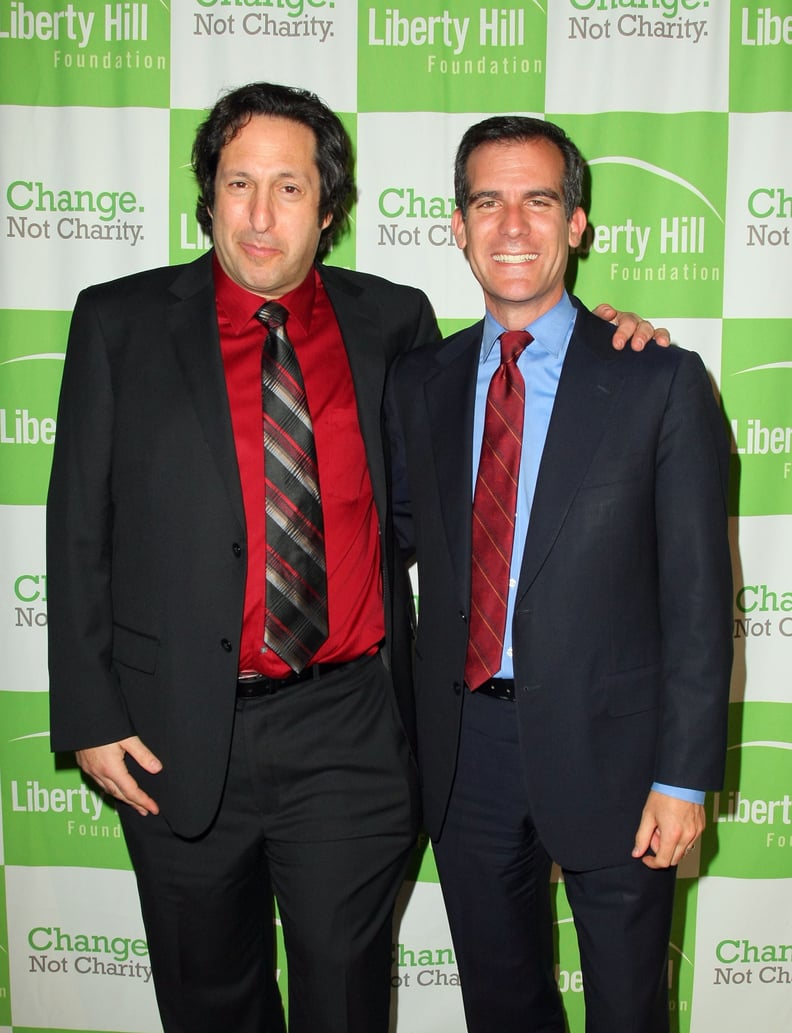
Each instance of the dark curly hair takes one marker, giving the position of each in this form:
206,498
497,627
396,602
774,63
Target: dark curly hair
333,149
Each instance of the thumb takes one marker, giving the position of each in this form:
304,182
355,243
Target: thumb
142,755
643,837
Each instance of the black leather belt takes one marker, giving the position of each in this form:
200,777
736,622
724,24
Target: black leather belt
249,686
498,688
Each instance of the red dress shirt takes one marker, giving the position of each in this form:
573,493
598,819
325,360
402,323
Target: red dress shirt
352,551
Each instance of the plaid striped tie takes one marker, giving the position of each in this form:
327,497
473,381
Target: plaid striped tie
494,505
296,603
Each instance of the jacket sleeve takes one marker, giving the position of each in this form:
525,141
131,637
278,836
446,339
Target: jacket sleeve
691,479
86,708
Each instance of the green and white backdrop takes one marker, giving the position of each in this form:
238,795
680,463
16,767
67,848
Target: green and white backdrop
684,110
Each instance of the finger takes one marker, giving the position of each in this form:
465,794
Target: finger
624,332
128,791
667,845
103,784
658,861
671,852
690,848
642,335
141,754
605,311
662,336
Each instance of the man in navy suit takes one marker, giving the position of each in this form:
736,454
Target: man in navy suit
581,718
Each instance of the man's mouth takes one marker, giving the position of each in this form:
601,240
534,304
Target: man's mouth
509,259
257,248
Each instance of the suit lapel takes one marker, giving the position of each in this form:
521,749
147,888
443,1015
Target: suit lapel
588,391
193,333
450,399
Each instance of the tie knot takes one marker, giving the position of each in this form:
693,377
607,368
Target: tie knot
513,343
272,314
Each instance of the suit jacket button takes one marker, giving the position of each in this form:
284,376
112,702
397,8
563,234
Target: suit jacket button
237,548
226,645
457,688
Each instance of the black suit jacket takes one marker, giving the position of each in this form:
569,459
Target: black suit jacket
146,529
622,626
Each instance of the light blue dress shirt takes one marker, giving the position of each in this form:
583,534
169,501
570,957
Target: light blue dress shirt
540,365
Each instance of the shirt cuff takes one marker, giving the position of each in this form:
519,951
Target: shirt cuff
691,795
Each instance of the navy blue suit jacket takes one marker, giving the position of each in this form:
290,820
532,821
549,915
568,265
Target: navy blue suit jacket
622,626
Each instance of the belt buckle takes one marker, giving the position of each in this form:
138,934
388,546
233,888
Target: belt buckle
252,685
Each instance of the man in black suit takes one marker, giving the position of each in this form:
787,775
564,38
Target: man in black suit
574,637
246,774
243,775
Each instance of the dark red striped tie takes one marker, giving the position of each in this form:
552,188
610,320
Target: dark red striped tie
494,506
296,602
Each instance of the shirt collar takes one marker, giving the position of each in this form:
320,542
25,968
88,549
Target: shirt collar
550,331
240,305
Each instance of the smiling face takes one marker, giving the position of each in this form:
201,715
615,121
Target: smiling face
516,235
265,217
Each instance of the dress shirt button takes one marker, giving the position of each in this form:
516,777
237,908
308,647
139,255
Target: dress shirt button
510,652
224,642
237,549
512,583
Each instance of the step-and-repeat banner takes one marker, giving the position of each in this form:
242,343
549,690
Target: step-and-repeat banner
683,109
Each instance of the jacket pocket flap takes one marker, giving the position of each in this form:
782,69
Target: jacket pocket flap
631,692
134,649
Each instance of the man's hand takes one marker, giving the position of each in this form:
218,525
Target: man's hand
106,766
669,828
629,325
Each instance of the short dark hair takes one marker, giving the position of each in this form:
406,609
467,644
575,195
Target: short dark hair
519,129
333,148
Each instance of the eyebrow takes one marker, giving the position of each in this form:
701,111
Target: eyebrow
539,192
282,174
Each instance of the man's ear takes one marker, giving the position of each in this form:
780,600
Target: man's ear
577,226
458,229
